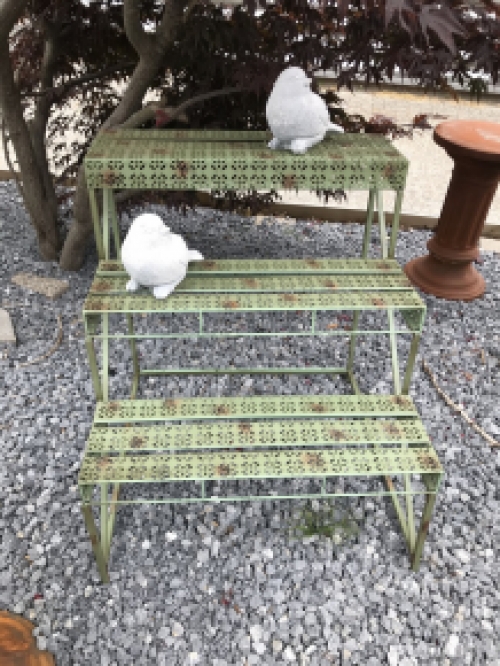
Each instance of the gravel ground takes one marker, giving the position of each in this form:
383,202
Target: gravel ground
229,584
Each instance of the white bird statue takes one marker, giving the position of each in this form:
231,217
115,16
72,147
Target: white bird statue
297,117
154,257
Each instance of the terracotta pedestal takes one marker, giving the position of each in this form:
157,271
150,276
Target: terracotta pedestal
448,272
17,645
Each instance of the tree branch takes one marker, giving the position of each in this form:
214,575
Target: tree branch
149,112
9,163
10,13
76,82
140,40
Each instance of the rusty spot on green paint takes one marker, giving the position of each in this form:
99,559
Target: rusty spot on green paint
391,429
383,266
245,428
313,263
95,304
170,403
181,170
93,539
331,284
250,282
102,285
104,462
110,266
428,461
313,460
112,406
290,298
208,264
379,302
230,304
337,434
401,401
222,409
317,407
289,181
222,470
109,177
137,442
389,482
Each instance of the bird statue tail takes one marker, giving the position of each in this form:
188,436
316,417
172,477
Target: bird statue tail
332,127
194,255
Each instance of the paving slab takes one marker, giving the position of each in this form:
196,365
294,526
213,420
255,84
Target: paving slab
51,287
6,329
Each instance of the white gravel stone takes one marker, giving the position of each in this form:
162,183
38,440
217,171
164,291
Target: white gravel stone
392,656
259,648
277,646
463,556
451,645
256,632
177,629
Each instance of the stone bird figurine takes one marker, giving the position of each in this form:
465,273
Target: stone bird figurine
155,257
297,117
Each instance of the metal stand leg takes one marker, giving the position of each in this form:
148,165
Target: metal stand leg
368,225
415,341
381,220
135,357
90,323
94,209
394,352
430,501
395,223
352,349
105,223
101,560
113,213
105,356
94,368
397,391
104,519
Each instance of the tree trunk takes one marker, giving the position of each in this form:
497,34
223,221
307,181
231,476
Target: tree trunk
38,189
82,230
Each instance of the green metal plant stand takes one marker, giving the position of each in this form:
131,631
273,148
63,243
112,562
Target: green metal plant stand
208,441
278,437
258,285
223,159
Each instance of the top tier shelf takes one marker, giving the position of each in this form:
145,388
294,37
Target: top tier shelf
210,159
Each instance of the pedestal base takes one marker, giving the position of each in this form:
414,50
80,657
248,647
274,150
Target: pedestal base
454,282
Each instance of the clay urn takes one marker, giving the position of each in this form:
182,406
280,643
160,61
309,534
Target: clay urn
17,644
448,271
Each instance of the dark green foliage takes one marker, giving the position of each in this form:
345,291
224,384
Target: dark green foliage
213,52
